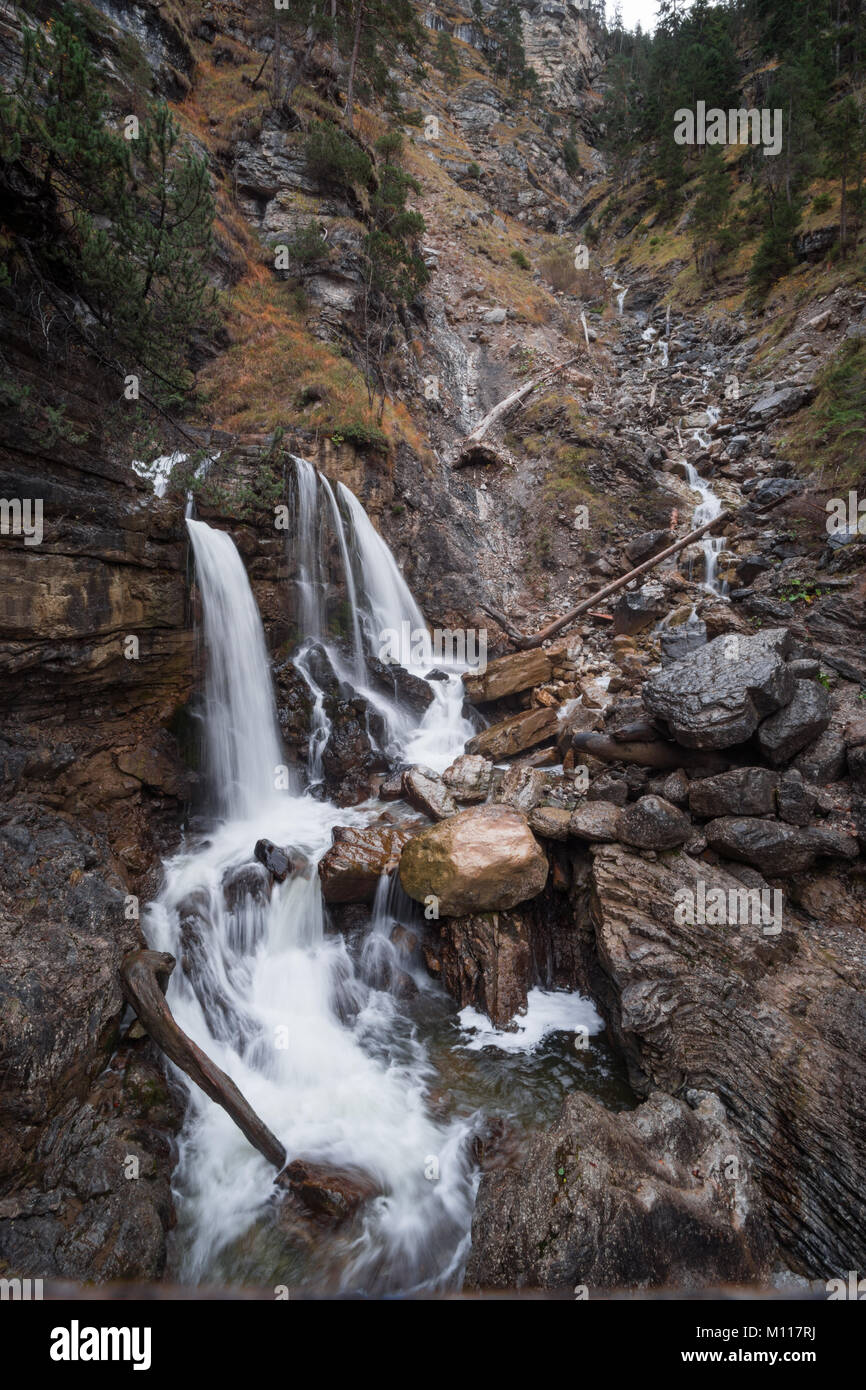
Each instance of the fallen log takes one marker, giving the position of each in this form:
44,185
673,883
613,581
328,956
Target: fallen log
472,441
658,755
523,641
144,976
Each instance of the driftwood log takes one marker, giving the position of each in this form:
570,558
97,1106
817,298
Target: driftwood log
524,642
144,975
471,450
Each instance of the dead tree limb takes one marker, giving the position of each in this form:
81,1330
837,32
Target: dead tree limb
535,640
144,976
473,439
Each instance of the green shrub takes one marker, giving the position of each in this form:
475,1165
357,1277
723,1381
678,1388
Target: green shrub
335,159
520,258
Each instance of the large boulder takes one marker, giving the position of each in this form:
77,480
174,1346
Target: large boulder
744,791
661,1195
717,696
774,847
350,870
774,1024
797,725
484,859
508,674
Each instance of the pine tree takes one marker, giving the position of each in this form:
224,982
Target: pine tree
845,141
133,217
710,213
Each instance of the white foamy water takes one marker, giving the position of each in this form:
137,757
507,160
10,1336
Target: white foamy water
548,1011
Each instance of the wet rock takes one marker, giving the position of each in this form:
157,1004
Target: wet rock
515,734
675,788
426,792
677,641
330,1193
509,674
522,787
391,789
638,609
277,861
610,786
717,696
795,799
400,685
754,1018
486,962
350,870
774,848
484,859
636,1199
596,820
798,724
653,823
824,760
468,779
744,791
645,546
351,758
249,883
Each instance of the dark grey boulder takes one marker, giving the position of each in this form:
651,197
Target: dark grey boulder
795,798
638,609
773,847
801,721
718,695
824,760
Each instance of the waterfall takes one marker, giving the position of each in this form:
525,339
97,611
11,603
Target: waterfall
243,745
321,1050
385,596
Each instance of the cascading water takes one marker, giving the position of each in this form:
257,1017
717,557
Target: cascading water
314,1030
276,1002
708,508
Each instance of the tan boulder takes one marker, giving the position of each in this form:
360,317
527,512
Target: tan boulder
514,734
508,674
484,859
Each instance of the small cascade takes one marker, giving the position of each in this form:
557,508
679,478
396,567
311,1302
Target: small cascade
708,508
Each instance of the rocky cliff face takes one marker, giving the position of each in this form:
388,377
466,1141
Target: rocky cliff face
97,658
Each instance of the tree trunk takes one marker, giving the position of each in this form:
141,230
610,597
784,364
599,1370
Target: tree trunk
353,63
144,976
583,607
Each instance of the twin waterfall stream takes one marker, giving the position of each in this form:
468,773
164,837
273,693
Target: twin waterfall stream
340,1069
